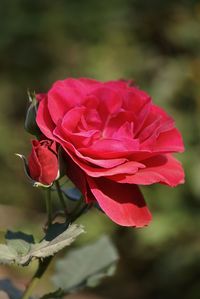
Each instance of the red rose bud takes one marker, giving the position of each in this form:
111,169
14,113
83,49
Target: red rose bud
43,162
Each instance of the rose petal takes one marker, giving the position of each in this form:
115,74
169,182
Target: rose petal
111,148
126,168
116,123
159,169
73,152
33,162
63,96
110,101
122,203
44,120
72,118
77,176
89,83
169,142
94,171
139,103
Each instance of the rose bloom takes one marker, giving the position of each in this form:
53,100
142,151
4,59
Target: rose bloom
43,162
115,139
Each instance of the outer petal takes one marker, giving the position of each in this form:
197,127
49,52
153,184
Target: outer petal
63,96
123,203
170,141
34,164
44,120
159,133
90,83
127,168
159,169
77,176
49,165
66,94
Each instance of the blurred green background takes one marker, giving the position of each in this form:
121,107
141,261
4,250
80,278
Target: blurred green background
156,43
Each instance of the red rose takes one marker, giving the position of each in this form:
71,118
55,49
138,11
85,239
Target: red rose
43,162
115,139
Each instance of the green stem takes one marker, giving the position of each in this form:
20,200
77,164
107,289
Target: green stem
49,206
78,212
43,265
30,288
61,197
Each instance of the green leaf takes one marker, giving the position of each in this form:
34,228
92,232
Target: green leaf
94,280
86,266
21,251
8,254
57,294
19,235
19,241
47,248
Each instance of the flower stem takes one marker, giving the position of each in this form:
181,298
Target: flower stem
49,206
43,265
62,200
81,208
30,287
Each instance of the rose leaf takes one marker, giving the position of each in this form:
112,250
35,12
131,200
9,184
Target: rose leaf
19,248
86,266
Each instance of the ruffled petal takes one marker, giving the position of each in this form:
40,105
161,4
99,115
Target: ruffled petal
110,101
63,96
111,148
159,169
123,203
169,142
80,159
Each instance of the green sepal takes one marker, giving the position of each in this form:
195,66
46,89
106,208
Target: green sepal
30,120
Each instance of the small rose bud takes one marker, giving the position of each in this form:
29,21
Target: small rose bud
43,162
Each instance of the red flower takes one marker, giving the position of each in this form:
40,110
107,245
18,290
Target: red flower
115,138
43,162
